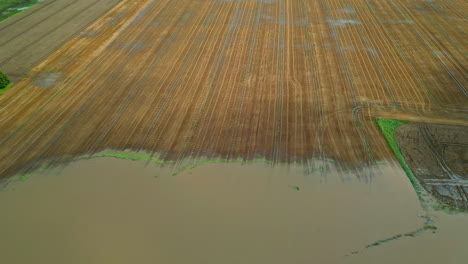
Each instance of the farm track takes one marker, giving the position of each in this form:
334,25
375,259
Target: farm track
290,81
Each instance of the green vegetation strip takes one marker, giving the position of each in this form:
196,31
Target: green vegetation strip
388,128
130,157
243,161
398,236
156,159
10,8
2,91
427,227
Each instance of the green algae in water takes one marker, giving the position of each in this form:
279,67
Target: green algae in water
296,188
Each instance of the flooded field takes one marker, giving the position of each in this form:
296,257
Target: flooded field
108,210
297,89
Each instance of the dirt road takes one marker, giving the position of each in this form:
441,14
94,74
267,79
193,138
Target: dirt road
290,81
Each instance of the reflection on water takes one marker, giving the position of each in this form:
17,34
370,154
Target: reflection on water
108,210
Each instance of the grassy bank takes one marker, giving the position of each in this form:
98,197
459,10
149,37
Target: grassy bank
10,8
388,128
2,91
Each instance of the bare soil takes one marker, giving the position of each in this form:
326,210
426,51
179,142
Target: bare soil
289,81
438,157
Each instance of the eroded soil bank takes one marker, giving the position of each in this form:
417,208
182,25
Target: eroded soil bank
108,210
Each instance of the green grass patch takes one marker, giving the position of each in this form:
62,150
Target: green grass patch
10,8
2,91
388,128
296,188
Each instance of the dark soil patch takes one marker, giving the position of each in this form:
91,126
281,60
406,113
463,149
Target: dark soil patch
438,157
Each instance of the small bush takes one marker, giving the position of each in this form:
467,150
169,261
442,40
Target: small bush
4,80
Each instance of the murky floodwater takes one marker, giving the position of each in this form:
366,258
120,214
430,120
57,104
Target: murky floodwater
108,210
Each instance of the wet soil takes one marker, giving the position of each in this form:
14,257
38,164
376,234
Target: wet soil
438,157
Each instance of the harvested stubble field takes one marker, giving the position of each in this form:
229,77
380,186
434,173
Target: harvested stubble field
290,81
28,38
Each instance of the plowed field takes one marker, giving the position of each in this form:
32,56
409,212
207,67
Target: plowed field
290,81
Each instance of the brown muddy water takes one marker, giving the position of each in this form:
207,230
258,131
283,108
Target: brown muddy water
108,210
